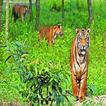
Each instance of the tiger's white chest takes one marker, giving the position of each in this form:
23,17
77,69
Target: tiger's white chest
80,67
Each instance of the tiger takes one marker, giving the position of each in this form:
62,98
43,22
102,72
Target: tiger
19,11
79,63
50,33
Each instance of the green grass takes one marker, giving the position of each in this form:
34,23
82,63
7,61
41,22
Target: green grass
25,35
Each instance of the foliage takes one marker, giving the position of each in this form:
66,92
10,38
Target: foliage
42,87
27,64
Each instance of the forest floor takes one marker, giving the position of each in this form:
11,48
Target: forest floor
95,101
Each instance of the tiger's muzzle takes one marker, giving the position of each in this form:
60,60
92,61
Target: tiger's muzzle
82,50
60,33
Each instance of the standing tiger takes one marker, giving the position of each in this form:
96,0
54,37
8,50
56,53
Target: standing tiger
79,63
50,33
19,11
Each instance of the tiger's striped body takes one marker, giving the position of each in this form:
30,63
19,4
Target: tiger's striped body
50,33
79,63
19,11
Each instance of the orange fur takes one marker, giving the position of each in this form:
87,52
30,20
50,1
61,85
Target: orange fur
79,65
50,33
19,11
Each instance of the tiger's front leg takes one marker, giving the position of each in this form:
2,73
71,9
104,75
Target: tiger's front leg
53,39
49,41
83,87
75,88
22,16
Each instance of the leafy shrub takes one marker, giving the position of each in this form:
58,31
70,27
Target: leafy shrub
42,88
42,84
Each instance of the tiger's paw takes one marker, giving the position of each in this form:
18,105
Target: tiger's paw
81,99
77,98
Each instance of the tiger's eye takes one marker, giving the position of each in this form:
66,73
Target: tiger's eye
78,40
87,38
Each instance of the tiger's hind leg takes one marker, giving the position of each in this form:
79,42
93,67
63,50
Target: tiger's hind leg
75,88
86,92
83,88
15,16
15,19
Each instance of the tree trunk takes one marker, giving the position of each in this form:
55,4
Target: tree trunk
62,9
30,7
37,14
1,1
78,4
7,21
0,15
89,11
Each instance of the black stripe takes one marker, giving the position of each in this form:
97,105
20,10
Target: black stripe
84,57
75,70
82,78
76,57
74,67
83,70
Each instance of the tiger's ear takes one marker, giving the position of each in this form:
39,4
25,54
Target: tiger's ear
88,30
59,25
77,30
55,27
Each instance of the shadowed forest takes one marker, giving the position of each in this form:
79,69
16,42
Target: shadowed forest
32,73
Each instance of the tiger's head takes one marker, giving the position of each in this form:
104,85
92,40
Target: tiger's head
58,29
27,10
82,41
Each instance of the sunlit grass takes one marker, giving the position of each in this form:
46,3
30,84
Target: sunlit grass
59,53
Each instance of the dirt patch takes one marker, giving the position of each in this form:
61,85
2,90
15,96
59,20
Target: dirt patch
13,104
93,101
90,101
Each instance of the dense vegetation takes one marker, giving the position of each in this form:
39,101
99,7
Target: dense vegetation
26,58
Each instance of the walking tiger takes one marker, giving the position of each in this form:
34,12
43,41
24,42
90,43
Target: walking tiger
79,63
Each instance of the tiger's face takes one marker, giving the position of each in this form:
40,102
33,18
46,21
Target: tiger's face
58,30
82,41
27,10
